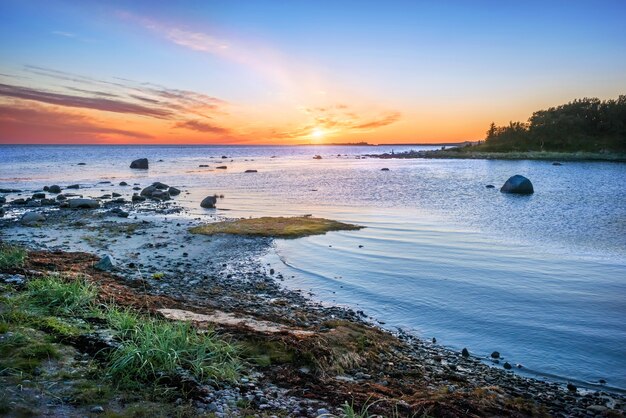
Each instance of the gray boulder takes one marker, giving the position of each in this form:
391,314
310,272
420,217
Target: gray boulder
160,186
83,204
160,195
32,218
106,263
137,198
74,186
208,202
55,189
141,164
518,185
148,191
39,196
173,191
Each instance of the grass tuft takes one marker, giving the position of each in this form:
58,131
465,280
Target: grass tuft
151,347
60,297
279,227
11,257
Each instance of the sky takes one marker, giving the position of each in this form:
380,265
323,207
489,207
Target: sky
297,71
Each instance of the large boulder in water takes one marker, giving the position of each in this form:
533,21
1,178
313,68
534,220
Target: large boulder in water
208,202
518,185
141,164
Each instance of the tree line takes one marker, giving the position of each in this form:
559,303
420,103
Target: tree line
588,124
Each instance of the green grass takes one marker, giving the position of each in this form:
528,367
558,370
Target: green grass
11,257
21,352
58,297
279,227
152,346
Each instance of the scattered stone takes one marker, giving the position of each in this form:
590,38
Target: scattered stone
160,186
84,204
317,157
173,191
203,165
116,194
495,354
61,197
148,191
251,171
81,164
32,219
10,191
123,183
55,189
46,188
160,195
208,202
572,388
97,410
384,169
74,186
465,352
39,195
1,212
3,200
221,167
518,185
507,365
556,163
141,164
106,263
48,202
490,186
137,198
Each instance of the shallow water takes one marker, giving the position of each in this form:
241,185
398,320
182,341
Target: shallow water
541,279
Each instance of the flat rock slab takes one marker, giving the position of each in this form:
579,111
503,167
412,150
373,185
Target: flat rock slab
228,319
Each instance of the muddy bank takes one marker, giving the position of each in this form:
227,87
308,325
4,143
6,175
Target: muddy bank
304,359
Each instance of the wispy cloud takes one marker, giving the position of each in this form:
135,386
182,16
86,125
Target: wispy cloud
339,119
198,126
96,103
36,123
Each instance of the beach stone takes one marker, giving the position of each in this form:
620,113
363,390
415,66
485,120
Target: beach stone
1,212
123,183
507,365
73,186
137,198
10,191
83,204
39,196
208,202
97,410
490,186
106,263
141,164
556,163
61,197
173,191
160,186
3,200
32,218
518,185
384,169
46,188
32,203
55,189
251,171
221,167
495,354
160,195
465,353
147,191
48,202
81,164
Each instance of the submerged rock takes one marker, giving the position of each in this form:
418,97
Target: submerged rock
518,185
32,218
83,204
141,164
495,354
208,202
384,169
490,186
465,352
251,171
173,191
55,189
39,196
73,186
221,167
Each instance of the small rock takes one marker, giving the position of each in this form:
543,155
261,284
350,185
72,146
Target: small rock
251,171
137,198
97,410
572,388
39,196
495,354
490,186
173,191
83,204
141,164
221,167
208,202
160,186
465,353
556,163
74,186
55,189
106,263
32,218
384,169
317,157
123,183
81,164
507,365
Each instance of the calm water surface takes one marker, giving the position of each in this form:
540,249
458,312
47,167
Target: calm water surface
541,278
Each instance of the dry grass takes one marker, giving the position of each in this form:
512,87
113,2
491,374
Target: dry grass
279,227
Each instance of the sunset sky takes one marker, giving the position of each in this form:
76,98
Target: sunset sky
289,72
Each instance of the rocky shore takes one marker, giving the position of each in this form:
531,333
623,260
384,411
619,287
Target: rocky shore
300,358
468,153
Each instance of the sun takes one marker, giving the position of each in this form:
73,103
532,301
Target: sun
317,133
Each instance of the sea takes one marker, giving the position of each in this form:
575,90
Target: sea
541,279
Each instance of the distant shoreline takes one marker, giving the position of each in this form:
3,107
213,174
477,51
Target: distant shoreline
528,155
